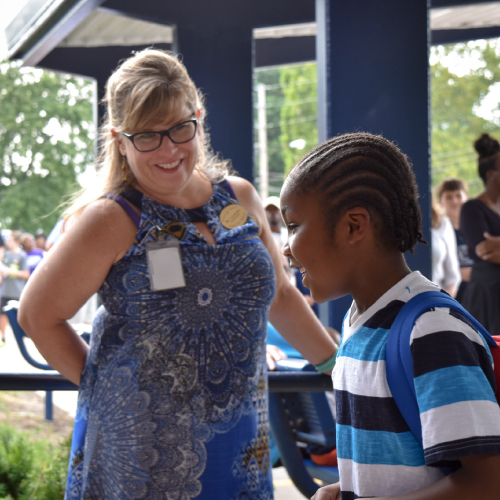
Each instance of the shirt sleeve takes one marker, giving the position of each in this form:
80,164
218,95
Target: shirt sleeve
455,388
451,267
23,262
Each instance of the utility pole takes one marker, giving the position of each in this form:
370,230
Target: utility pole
262,124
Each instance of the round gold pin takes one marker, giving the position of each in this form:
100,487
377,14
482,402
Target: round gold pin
233,216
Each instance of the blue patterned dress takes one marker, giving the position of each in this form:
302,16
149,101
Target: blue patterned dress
173,395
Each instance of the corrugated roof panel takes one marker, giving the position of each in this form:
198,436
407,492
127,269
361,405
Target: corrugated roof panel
451,18
104,28
467,17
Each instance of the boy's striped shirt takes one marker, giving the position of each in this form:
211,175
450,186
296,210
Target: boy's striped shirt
454,381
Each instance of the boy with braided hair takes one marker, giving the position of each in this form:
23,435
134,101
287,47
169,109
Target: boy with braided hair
351,210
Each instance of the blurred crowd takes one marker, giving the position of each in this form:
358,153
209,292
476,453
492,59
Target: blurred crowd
20,254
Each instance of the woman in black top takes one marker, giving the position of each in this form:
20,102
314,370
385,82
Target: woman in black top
480,226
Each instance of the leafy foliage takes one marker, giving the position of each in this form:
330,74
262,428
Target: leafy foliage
31,469
299,111
455,101
46,140
455,111
291,101
16,462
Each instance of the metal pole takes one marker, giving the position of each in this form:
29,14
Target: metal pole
49,406
322,64
322,41
262,124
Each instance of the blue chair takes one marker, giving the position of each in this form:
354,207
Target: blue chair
11,311
298,419
20,335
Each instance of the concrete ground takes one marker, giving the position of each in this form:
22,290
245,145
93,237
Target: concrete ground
12,361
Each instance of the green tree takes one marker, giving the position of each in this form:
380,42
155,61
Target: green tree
454,106
298,111
291,102
46,140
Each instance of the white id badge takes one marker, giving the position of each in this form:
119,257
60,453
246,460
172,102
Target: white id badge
165,265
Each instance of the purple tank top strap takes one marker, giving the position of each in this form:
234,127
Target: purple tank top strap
136,218
225,184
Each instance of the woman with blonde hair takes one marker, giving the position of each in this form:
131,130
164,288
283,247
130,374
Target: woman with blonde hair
172,400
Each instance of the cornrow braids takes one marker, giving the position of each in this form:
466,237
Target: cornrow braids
362,169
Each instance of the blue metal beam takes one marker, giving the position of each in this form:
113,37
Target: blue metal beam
436,4
46,31
444,37
277,381
376,70
281,51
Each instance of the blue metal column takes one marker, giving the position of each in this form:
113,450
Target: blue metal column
218,57
373,71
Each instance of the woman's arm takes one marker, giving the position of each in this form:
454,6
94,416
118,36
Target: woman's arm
290,314
70,273
473,225
489,249
15,273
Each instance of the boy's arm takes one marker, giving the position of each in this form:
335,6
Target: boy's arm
477,478
330,492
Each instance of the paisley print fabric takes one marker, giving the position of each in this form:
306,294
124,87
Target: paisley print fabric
172,402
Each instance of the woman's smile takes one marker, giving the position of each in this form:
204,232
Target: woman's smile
169,166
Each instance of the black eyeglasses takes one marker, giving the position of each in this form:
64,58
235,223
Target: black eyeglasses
149,141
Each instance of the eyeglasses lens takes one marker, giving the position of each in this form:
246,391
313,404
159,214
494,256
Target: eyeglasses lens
183,132
150,141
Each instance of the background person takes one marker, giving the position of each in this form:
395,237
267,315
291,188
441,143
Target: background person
14,272
452,194
40,239
172,400
480,226
273,214
34,254
445,267
351,209
2,252
54,234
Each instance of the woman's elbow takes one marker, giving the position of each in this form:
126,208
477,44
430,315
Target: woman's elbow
30,313
24,316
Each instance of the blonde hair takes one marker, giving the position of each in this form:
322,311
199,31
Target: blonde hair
437,214
143,90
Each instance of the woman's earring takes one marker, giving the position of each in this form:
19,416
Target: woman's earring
124,169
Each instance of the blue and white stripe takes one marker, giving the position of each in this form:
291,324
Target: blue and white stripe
378,455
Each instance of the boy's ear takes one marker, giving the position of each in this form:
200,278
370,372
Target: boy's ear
358,222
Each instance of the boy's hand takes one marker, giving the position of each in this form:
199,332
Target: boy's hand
330,492
273,353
